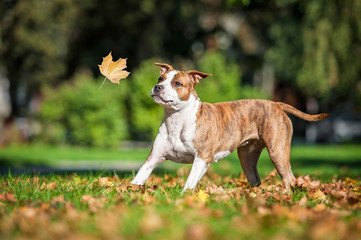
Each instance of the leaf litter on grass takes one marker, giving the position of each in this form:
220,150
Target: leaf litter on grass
93,207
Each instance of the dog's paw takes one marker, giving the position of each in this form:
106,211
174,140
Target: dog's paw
135,182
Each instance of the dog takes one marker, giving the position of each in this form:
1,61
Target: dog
201,133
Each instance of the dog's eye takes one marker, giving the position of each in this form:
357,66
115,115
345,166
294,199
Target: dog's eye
178,84
160,79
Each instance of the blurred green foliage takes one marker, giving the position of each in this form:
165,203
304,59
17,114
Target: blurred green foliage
312,46
331,56
76,112
317,47
225,82
35,40
145,115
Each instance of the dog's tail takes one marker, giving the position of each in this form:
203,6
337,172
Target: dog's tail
311,118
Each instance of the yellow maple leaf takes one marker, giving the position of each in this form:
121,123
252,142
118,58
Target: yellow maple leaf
113,70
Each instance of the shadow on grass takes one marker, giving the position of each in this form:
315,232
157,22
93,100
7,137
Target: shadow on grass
323,162
30,169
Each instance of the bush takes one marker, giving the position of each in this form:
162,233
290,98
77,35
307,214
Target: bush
77,113
146,115
225,82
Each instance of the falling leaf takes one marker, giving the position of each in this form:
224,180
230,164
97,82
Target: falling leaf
113,70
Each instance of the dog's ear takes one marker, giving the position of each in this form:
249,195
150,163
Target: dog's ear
195,76
165,68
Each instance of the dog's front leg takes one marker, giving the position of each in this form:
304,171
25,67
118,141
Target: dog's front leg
146,169
199,168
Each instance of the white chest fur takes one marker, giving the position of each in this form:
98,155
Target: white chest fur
177,132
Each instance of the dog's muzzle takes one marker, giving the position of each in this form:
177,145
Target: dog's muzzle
158,88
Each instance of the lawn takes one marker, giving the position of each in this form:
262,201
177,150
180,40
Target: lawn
322,161
104,205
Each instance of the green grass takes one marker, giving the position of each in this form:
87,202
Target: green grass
319,160
44,154
106,206
316,160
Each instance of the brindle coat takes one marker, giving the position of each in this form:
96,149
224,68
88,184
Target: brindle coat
249,126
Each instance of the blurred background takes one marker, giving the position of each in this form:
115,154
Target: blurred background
304,53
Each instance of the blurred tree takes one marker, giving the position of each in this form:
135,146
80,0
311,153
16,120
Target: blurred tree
331,35
313,45
35,36
45,42
317,47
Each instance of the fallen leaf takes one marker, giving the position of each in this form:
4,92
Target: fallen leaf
349,180
147,198
94,204
58,199
10,197
151,222
352,198
263,211
198,231
202,196
50,186
270,176
300,182
315,184
317,195
2,197
113,70
214,189
105,181
303,201
357,190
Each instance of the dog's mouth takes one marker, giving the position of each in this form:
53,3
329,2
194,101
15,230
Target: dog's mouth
160,98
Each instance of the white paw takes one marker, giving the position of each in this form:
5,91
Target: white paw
136,182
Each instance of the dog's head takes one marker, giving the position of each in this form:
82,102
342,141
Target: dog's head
176,88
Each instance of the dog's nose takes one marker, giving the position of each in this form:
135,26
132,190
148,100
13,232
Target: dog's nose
158,88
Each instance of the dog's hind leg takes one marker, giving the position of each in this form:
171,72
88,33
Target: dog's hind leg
279,149
248,154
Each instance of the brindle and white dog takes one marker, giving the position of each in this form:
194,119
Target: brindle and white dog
201,133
